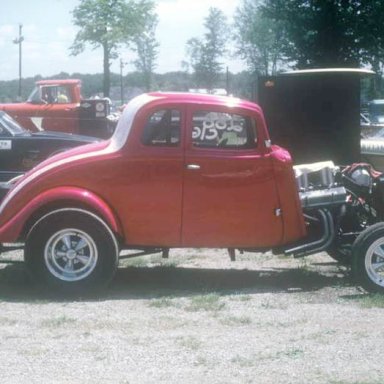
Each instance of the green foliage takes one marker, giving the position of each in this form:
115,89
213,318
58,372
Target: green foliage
205,54
329,33
258,39
240,84
109,24
146,48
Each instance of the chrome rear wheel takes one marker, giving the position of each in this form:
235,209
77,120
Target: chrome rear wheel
71,255
72,251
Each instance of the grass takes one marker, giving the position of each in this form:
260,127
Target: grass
292,353
370,300
304,267
236,320
5,321
271,304
209,302
189,342
243,362
58,321
163,302
206,302
373,301
355,382
241,297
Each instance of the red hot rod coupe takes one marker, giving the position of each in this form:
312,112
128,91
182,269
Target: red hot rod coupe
187,170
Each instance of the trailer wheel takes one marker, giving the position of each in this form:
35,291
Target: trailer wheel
71,251
368,258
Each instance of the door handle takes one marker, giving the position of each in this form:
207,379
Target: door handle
193,166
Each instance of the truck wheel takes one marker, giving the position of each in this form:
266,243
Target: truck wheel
368,258
71,251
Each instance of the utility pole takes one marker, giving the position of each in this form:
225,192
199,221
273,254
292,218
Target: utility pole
121,81
19,41
227,81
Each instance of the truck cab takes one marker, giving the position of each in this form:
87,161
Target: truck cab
57,105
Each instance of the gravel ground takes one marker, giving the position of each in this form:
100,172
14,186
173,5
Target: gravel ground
196,318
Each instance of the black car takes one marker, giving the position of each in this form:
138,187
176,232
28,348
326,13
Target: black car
21,150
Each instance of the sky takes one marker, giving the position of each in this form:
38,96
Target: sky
48,33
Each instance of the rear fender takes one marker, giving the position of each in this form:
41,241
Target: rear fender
62,197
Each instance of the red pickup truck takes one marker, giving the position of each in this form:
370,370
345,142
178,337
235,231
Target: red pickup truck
57,105
187,170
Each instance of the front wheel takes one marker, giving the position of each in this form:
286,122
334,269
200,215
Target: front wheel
72,251
368,258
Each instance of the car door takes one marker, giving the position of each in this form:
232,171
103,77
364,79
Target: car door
153,174
60,113
230,197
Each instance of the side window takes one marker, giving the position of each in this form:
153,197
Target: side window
223,130
162,128
55,94
63,95
48,94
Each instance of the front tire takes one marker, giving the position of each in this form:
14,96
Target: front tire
71,251
368,258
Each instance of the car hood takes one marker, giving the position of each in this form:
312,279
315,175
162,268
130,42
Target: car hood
67,136
15,107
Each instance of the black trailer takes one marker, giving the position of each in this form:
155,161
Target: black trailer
315,114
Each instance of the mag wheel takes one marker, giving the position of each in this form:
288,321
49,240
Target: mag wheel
71,254
368,258
72,251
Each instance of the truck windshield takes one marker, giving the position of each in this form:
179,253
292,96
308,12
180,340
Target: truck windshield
34,97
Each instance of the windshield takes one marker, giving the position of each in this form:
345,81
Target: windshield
34,97
9,125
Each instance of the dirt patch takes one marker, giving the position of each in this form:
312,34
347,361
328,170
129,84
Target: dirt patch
196,317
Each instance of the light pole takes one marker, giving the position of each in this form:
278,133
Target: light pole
121,82
19,41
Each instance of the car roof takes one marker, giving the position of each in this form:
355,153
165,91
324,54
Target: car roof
203,98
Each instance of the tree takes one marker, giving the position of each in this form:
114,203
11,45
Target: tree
329,33
205,54
258,38
109,24
146,46
371,37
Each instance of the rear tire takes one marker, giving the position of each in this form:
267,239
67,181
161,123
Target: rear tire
368,258
71,251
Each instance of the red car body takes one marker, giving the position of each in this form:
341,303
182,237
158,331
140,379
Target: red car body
181,170
169,196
